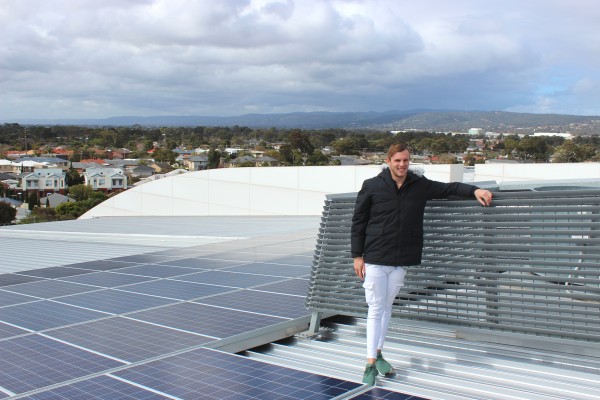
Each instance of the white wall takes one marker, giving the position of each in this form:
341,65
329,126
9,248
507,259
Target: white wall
535,172
249,191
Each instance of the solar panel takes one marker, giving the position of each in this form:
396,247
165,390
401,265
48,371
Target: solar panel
202,263
176,289
103,387
218,375
33,361
45,314
15,279
291,271
8,298
47,289
145,258
102,265
378,393
114,301
156,271
54,272
260,302
298,287
107,279
127,339
7,331
229,279
206,320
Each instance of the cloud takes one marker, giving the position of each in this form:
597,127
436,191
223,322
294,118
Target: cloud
177,57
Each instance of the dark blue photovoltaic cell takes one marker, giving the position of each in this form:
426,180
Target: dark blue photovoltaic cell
44,314
114,301
176,290
202,263
127,339
32,362
275,304
47,289
156,271
7,331
102,265
15,279
384,394
54,272
289,271
232,279
144,258
100,388
297,259
206,320
298,287
226,376
107,279
9,298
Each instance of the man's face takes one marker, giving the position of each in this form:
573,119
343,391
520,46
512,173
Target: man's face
398,164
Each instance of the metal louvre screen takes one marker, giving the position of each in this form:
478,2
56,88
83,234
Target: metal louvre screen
528,264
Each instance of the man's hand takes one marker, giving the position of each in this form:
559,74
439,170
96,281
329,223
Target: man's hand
359,267
483,196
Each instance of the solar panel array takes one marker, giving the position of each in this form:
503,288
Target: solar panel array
146,326
138,327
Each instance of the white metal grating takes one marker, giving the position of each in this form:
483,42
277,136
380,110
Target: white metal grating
528,264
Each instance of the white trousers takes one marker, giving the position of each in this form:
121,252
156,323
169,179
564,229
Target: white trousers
382,284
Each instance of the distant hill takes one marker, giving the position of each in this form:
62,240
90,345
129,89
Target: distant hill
429,120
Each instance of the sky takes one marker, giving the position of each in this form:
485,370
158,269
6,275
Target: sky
105,58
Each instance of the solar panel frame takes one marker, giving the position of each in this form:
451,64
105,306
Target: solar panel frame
115,301
272,269
175,289
274,304
104,279
231,279
103,387
33,361
15,279
219,375
46,314
206,320
128,339
48,289
54,272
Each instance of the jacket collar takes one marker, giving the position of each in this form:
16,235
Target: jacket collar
411,176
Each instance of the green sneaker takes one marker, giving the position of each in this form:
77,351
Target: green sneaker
370,374
382,366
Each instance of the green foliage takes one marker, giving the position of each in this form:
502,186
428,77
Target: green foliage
81,192
73,177
570,152
214,158
7,213
32,200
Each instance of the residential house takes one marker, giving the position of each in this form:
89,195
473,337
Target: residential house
55,199
161,167
44,181
254,161
196,163
6,166
50,162
106,179
143,171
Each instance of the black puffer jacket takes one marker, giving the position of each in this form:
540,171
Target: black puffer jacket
387,226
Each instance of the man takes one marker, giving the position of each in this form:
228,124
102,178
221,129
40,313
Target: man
387,235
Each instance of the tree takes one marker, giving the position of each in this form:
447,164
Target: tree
7,213
73,177
32,200
214,158
533,148
569,152
81,192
